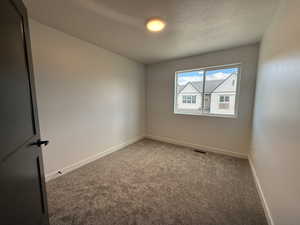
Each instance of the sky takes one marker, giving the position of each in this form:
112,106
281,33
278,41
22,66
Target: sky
192,76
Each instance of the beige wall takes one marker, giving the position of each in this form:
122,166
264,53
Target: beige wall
231,135
89,99
276,129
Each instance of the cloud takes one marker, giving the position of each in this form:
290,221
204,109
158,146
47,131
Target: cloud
217,76
186,79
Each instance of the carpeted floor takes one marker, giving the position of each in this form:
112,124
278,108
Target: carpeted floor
160,184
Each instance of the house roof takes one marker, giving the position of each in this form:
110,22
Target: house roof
210,85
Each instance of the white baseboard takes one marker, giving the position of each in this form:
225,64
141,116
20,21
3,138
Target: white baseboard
261,193
200,147
67,169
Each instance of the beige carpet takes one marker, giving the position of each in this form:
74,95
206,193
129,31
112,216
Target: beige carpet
157,183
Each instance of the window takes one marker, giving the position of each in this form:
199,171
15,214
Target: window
207,91
194,99
224,99
189,99
224,102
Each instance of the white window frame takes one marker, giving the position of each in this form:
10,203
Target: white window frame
205,69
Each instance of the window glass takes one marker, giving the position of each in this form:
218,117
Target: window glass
189,86
207,91
221,98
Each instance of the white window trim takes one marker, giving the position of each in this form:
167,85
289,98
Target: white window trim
236,111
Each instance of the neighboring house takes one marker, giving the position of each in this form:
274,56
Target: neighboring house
189,96
219,96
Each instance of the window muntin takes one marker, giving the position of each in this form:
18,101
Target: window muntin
214,90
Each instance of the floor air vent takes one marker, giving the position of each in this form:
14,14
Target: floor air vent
200,151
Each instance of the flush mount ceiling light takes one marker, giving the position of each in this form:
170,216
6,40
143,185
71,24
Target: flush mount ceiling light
155,25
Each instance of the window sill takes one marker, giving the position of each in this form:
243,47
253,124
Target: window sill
208,115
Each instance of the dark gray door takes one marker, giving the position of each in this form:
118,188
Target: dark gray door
22,184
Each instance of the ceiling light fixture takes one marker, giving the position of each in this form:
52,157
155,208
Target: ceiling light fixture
155,25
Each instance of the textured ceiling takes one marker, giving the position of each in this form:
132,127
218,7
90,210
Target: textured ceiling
193,26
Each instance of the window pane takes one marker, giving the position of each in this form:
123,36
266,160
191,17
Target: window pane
194,99
222,98
220,87
189,87
206,91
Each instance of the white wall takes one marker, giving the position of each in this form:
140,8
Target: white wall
231,135
276,124
89,99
